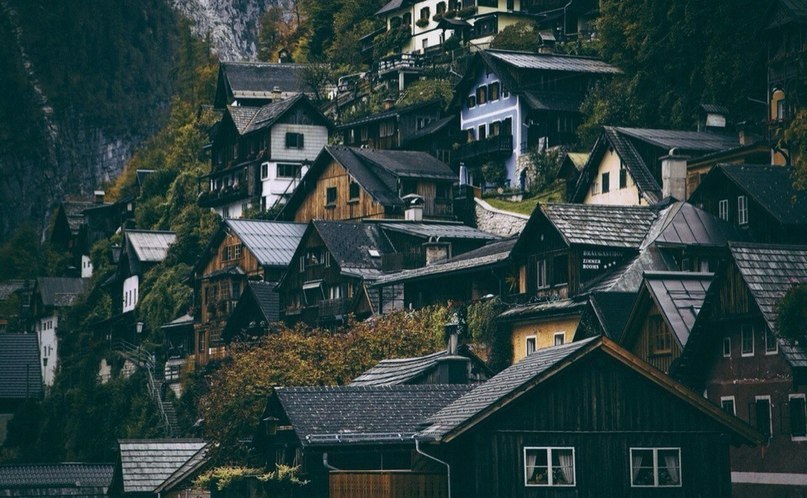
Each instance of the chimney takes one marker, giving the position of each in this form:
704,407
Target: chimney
276,94
414,207
389,102
436,251
674,175
453,368
99,196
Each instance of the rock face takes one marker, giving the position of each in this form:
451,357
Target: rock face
231,24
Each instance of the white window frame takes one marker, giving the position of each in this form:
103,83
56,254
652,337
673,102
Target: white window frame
549,450
733,404
562,336
727,341
765,397
527,344
541,275
768,335
802,397
743,328
655,468
723,209
742,210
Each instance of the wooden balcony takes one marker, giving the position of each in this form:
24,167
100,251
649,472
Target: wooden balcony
329,308
386,484
500,146
224,195
399,62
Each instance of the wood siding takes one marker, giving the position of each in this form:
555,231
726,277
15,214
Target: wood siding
386,484
313,205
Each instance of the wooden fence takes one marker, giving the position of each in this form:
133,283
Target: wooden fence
386,484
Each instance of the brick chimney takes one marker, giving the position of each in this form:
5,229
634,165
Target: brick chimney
674,175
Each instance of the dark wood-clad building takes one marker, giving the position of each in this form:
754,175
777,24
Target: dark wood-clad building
391,128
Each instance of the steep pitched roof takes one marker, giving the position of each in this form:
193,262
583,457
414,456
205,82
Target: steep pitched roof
612,310
351,243
9,287
770,186
679,297
20,374
74,211
258,79
150,245
684,140
683,224
404,370
267,299
83,478
438,230
553,62
251,119
602,225
61,291
147,463
362,414
272,242
518,379
390,6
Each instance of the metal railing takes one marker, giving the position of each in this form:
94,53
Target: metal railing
143,358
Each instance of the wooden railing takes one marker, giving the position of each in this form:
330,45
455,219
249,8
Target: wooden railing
386,484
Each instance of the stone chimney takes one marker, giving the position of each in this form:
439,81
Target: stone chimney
276,94
99,196
674,175
414,207
436,251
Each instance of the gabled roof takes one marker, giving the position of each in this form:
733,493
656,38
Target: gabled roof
56,475
599,225
405,370
377,171
183,321
770,186
61,291
534,369
683,224
486,256
251,119
20,374
74,212
679,298
612,310
553,62
272,242
684,140
148,463
395,111
267,299
438,231
9,287
327,416
350,244
390,6
257,80
150,245
546,309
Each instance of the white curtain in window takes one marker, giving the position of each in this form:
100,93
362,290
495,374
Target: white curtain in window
671,462
530,459
637,465
566,459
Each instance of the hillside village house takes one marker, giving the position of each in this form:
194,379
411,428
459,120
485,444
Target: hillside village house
348,183
512,102
87,480
735,356
153,468
259,154
255,84
391,128
239,251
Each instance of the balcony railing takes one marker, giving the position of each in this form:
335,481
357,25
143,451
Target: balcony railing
399,61
498,146
224,195
329,308
386,484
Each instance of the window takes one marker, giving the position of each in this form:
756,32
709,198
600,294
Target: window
482,133
335,292
560,338
507,126
595,187
386,129
541,270
655,467
548,466
354,190
288,170
481,95
659,336
327,259
294,140
302,264
798,416
441,8
727,347
742,210
771,344
505,92
425,13
236,291
330,196
493,91
747,335
723,209
531,345
264,171
623,178
560,269
471,101
495,128
606,182
762,409
727,404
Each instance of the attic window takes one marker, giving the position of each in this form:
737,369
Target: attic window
374,253
295,140
330,196
354,191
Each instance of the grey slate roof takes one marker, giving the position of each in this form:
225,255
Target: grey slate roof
497,388
439,230
272,242
20,374
603,225
9,287
407,163
679,297
258,79
61,291
182,321
150,245
612,310
147,463
74,211
350,243
684,224
554,62
639,171
391,5
699,141
546,308
57,479
772,188
553,101
363,414
251,119
268,300
398,371
395,111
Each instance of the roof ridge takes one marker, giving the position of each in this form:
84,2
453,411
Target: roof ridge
764,245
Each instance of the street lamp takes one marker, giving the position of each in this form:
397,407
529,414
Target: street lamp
139,326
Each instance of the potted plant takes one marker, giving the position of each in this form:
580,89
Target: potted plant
422,22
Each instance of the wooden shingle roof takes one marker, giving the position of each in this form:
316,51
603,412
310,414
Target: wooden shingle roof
20,374
61,291
601,225
770,186
148,463
84,480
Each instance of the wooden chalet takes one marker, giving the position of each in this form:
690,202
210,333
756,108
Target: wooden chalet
258,154
661,320
392,127
254,84
640,166
20,375
85,480
758,200
254,314
735,357
155,468
347,183
239,251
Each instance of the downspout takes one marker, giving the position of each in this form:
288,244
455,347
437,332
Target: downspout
448,467
325,462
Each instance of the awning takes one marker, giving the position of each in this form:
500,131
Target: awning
312,284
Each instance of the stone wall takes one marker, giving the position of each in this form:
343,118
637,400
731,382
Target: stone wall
503,223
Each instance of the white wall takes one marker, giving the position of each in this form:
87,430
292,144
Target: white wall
48,347
130,293
316,137
86,266
628,196
232,210
273,187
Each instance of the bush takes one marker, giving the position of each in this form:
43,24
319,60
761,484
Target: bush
792,320
467,12
422,23
495,173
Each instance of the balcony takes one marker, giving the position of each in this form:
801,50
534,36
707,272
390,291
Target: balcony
386,484
399,62
329,308
224,195
500,146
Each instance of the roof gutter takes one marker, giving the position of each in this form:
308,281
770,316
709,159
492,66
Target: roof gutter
430,457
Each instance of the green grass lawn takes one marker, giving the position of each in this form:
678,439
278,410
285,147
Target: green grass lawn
554,194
